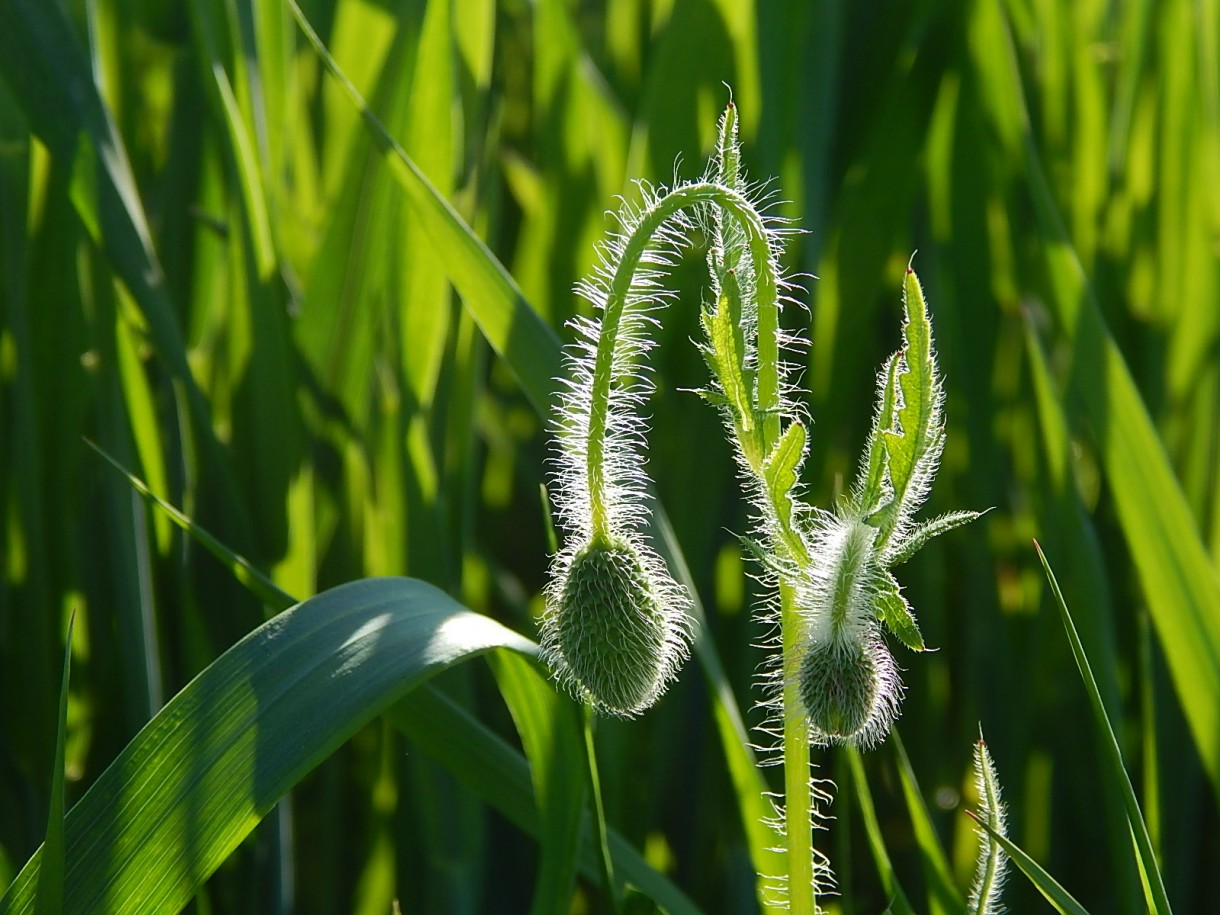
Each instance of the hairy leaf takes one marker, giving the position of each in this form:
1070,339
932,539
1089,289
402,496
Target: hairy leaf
896,613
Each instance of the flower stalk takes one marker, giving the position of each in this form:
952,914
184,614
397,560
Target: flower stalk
616,628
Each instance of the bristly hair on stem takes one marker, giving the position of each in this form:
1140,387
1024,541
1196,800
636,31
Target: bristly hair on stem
617,626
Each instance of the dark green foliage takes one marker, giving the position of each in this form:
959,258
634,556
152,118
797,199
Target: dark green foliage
210,266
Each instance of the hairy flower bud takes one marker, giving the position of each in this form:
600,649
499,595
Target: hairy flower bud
848,688
608,634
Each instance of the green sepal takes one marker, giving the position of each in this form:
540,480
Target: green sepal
873,472
897,615
921,533
917,434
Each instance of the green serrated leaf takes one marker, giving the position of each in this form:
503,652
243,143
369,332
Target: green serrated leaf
781,470
728,344
989,871
913,445
913,541
897,615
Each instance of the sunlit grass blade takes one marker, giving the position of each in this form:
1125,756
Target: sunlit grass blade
600,832
1048,886
241,568
899,904
241,143
750,787
247,729
40,59
1150,873
50,892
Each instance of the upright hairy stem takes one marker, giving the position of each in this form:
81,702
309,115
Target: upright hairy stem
798,793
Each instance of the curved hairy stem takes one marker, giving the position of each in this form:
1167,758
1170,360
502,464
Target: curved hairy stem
619,294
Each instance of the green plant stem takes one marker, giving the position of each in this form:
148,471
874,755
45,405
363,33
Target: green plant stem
798,793
687,196
599,810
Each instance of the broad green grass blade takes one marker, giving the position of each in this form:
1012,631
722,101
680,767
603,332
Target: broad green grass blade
899,904
50,900
469,750
547,724
1179,580
193,783
1047,885
1154,887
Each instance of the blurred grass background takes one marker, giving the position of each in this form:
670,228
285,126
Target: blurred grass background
252,318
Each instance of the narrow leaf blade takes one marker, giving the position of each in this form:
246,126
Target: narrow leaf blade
1154,887
914,540
51,874
913,448
1048,886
